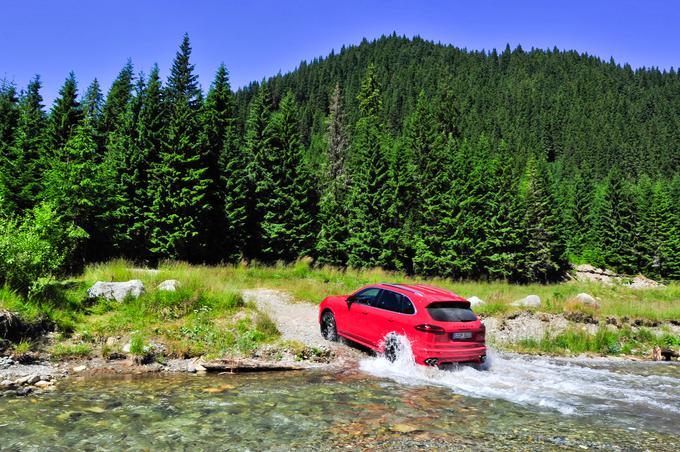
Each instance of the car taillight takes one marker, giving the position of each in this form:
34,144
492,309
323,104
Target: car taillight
481,333
434,329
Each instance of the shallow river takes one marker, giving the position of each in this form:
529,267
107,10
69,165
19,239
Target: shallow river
520,403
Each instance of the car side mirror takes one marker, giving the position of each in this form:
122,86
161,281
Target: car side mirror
350,300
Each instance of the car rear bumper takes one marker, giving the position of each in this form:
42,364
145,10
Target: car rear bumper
445,355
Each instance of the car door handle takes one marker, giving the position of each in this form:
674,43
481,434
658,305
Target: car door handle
390,320
365,313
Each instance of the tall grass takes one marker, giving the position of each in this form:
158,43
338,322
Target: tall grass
604,341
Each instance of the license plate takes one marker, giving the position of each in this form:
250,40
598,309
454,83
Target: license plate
465,335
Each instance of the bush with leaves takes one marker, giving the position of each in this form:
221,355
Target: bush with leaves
37,246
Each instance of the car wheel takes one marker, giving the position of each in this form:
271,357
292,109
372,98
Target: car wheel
329,330
392,347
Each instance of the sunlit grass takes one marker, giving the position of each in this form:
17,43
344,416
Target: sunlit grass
604,342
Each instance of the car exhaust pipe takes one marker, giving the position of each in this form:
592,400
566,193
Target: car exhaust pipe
431,361
482,358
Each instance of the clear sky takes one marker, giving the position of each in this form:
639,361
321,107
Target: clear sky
256,39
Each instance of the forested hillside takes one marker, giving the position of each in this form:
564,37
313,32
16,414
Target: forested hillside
398,153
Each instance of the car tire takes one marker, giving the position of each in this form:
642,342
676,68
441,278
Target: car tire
329,329
392,347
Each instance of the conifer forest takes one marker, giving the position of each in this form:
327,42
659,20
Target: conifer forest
398,153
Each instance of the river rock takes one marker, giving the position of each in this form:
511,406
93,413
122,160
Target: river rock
79,368
118,291
42,384
27,380
5,362
642,282
170,285
587,300
7,384
476,301
531,301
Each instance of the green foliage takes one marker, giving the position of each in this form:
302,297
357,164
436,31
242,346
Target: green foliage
605,341
37,246
179,180
397,153
137,345
284,190
70,351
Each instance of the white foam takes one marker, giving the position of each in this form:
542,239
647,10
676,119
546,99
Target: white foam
568,386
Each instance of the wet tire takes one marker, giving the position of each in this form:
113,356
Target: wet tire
392,347
329,329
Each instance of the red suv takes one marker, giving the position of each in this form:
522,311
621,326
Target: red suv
439,324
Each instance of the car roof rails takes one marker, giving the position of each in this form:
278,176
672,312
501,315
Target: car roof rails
399,286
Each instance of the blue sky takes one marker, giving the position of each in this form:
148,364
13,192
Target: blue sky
256,39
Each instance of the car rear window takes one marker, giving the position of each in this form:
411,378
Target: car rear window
449,311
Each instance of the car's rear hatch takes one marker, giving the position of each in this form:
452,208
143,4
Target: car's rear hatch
453,322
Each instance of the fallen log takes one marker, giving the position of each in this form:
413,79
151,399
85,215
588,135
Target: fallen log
243,365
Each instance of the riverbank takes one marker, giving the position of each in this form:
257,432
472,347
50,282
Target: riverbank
269,313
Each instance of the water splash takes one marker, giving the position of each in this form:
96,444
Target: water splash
575,386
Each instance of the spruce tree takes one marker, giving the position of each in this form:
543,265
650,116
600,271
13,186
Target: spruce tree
79,187
542,251
9,115
24,165
615,224
664,238
369,172
179,182
330,245
66,114
220,137
118,98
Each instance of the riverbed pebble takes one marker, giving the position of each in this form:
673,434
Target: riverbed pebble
79,368
5,362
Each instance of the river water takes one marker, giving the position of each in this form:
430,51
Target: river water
520,403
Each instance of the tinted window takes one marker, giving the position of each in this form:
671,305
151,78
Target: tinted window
367,296
395,302
451,312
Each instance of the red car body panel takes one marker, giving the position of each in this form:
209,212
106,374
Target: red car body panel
369,325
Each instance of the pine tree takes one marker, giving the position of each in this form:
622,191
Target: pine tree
118,98
92,106
66,114
78,186
663,239
369,173
615,224
245,170
9,115
22,170
542,252
221,140
330,245
179,180
285,196
93,103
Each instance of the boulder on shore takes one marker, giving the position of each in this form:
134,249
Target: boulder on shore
170,285
530,301
118,291
476,301
587,300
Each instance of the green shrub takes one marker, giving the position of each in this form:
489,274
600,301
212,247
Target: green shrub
22,347
137,345
37,246
61,351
